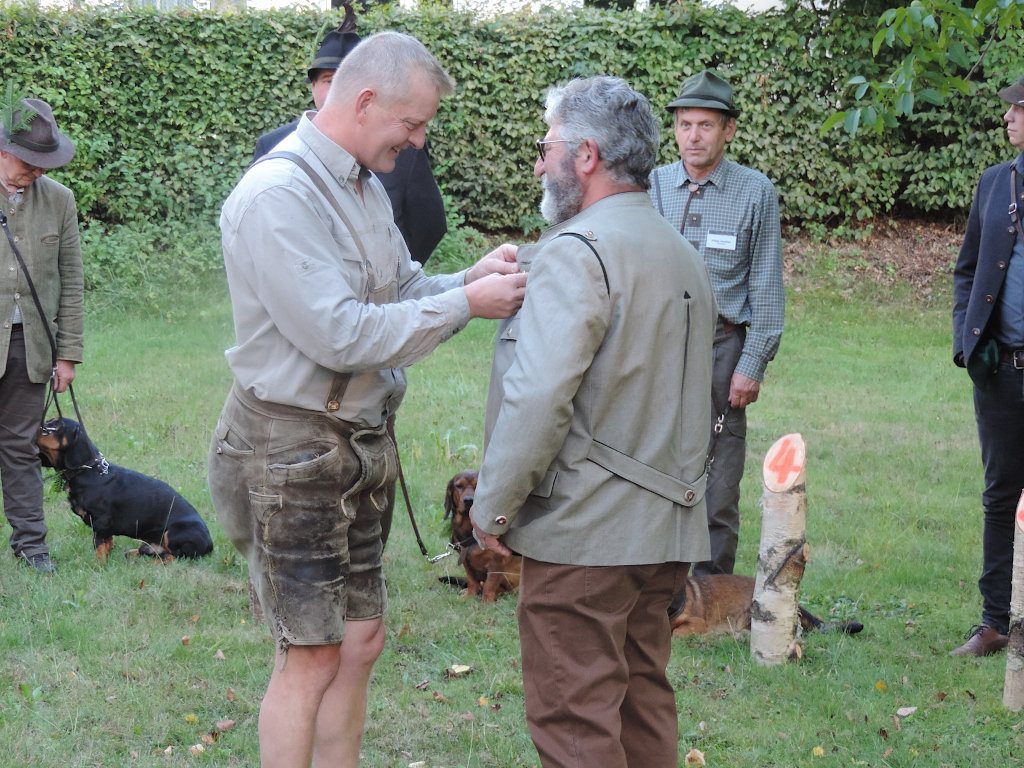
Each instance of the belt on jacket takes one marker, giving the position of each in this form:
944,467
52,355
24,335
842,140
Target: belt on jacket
1015,356
636,472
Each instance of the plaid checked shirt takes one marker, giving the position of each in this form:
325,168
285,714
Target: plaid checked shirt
733,221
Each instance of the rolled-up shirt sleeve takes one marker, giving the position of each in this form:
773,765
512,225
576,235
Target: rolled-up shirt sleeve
312,297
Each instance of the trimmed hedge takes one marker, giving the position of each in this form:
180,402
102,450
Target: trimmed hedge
165,106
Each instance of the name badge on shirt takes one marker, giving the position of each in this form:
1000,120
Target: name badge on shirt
721,240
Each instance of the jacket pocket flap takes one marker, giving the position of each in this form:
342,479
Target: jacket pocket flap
543,490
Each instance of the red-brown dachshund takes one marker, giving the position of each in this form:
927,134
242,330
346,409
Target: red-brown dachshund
710,604
487,572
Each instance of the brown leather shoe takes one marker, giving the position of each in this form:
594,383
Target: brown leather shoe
982,641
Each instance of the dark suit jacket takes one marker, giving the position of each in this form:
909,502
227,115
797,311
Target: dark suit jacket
413,191
981,265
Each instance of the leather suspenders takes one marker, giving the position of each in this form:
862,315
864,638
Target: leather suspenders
341,380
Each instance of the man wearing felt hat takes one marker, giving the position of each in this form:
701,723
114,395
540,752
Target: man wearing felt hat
40,220
730,214
988,340
415,197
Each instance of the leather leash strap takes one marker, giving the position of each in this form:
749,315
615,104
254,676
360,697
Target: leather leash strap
408,500
52,394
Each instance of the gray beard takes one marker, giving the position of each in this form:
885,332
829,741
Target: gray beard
563,197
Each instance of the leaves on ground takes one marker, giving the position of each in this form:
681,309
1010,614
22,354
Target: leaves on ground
458,670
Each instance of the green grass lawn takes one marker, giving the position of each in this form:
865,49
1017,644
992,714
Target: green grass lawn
97,670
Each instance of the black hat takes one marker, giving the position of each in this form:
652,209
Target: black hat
336,45
708,90
1013,93
40,144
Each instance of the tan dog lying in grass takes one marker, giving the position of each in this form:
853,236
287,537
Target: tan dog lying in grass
721,603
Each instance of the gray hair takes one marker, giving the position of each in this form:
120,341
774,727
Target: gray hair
621,121
385,62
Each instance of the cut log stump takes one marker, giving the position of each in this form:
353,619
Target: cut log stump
774,618
1013,688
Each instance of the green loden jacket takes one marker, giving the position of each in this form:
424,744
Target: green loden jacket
597,432
44,225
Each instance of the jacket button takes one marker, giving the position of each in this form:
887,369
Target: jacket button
333,405
500,520
1011,230
976,331
1001,264
988,298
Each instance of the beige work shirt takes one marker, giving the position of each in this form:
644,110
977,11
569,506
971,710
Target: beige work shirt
308,305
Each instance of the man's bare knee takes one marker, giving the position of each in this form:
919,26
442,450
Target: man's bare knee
363,643
309,664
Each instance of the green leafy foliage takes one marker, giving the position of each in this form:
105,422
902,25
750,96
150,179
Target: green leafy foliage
933,51
148,262
165,107
13,119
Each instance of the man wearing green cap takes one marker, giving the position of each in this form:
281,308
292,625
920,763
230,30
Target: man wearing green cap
39,219
730,214
988,340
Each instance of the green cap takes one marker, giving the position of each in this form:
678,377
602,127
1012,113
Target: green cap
707,90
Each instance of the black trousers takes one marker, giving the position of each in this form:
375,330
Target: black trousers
21,409
999,410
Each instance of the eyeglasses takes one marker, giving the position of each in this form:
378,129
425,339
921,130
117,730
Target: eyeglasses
541,144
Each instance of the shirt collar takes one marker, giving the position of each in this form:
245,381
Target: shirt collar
1019,163
716,177
336,159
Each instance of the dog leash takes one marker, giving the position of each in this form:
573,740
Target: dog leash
52,395
715,432
408,501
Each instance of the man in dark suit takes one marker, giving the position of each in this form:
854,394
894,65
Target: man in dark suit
988,340
411,187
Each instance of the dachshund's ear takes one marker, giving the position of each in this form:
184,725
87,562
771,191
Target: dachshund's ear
449,499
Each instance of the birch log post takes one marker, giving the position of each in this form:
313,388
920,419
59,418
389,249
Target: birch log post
774,623
1013,688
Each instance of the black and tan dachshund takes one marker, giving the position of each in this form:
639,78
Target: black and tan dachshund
115,501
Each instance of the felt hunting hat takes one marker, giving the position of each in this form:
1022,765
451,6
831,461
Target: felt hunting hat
40,143
708,90
336,45
1013,93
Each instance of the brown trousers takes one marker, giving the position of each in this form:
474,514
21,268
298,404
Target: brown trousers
595,645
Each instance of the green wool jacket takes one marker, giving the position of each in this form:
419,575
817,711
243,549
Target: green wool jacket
44,225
